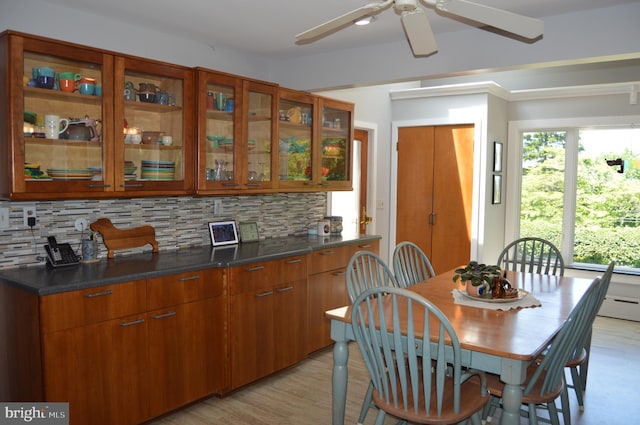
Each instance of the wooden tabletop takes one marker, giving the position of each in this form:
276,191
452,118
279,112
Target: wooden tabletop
518,334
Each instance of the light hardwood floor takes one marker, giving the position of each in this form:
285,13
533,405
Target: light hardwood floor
302,395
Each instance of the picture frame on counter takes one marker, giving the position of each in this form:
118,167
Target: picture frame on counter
249,231
223,233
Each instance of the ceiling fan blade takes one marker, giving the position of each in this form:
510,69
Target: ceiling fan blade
514,23
340,22
418,30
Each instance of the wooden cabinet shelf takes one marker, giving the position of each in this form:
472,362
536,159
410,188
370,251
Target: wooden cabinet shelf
46,94
151,107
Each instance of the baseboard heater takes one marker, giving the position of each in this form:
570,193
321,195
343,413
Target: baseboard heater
621,307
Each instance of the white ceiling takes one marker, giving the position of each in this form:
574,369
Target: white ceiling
268,27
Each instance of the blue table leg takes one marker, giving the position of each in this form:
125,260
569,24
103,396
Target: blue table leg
340,376
511,401
513,374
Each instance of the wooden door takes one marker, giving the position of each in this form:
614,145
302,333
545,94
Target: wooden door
435,177
363,214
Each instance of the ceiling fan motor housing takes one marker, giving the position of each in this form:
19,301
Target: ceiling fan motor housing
405,5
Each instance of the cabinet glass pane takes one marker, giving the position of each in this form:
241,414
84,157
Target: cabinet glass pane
72,147
153,127
295,140
220,151
259,137
335,139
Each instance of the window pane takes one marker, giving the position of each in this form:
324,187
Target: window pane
607,222
542,199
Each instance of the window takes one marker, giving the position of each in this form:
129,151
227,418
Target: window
580,189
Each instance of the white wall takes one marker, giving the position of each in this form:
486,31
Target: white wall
66,24
598,32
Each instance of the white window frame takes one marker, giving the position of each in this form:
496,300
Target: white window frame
514,174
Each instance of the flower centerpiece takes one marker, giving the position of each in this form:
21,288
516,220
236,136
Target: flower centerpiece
478,277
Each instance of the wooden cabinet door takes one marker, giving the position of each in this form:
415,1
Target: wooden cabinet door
100,370
252,349
79,168
326,291
186,353
289,324
332,164
434,192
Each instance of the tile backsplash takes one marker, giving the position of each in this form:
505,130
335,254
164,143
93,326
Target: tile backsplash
179,222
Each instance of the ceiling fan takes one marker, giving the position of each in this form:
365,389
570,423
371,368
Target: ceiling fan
416,24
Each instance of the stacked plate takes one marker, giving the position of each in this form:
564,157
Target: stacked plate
70,173
158,170
129,170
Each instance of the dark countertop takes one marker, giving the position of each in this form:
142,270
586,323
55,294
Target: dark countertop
46,280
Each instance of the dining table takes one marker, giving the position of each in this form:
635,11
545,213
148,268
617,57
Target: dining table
499,337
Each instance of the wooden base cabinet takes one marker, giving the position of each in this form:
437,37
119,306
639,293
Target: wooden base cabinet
186,338
100,370
327,289
125,353
267,320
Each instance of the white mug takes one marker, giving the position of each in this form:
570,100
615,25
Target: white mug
52,124
167,140
324,228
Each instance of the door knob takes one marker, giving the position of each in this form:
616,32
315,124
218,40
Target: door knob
364,219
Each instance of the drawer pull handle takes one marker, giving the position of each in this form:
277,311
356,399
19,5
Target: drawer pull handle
327,253
366,245
135,322
98,185
254,269
126,186
99,294
288,288
297,260
163,315
264,294
339,273
182,279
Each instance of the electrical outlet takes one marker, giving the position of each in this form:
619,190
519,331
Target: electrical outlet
4,218
217,206
81,224
29,211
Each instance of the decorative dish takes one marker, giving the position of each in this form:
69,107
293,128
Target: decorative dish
521,294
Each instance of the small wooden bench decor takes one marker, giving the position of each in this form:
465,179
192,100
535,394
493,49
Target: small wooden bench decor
124,238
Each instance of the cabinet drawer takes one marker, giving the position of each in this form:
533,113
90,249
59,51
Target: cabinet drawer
293,268
186,287
87,306
329,259
252,277
371,246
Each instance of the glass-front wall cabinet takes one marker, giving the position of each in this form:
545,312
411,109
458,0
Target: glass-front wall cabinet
218,131
154,131
57,110
333,168
295,139
258,161
236,127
